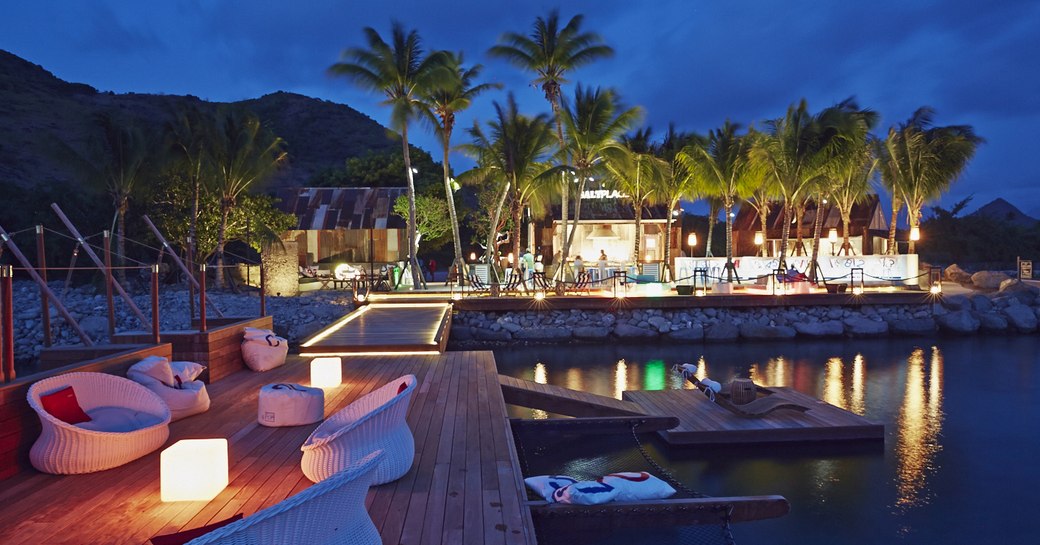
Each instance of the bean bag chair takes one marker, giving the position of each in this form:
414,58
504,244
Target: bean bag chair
262,350
174,382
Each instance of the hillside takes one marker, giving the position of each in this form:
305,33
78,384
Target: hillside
1003,211
44,119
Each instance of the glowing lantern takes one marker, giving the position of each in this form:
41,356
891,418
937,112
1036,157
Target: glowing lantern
326,372
857,290
691,240
540,295
832,236
915,233
936,288
510,258
759,239
193,470
473,256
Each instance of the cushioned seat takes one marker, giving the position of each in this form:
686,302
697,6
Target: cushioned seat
118,420
262,350
174,382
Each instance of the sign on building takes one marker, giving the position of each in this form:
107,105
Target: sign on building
1025,269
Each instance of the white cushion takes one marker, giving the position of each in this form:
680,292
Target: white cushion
156,367
638,486
290,405
585,493
262,350
187,370
545,485
118,419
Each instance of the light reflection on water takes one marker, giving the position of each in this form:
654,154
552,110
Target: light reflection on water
940,462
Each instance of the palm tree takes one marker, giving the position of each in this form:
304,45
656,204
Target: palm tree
244,153
852,181
441,105
510,156
127,148
919,162
593,123
400,72
640,176
550,52
188,136
676,185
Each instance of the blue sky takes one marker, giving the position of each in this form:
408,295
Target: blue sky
691,63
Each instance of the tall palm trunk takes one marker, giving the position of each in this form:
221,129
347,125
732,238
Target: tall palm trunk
518,209
846,246
799,215
897,204
552,95
121,241
492,246
814,267
413,249
638,204
713,214
460,263
785,235
730,267
225,211
669,274
763,216
914,220
577,208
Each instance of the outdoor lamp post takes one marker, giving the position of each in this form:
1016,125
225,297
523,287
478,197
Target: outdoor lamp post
473,257
832,236
691,241
915,234
759,241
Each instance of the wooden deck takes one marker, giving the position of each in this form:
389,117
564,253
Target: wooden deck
703,422
464,486
385,327
560,400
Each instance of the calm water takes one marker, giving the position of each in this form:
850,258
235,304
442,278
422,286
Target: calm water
961,416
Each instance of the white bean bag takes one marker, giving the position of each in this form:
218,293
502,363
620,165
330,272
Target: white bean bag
139,424
290,405
262,350
174,383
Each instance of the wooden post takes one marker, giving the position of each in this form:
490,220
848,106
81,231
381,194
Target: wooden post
97,261
6,239
108,286
7,301
41,263
192,283
202,297
176,259
263,289
155,303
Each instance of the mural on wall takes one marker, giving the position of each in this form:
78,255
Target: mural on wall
876,268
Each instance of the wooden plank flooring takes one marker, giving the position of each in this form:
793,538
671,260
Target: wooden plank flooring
464,486
385,327
560,400
703,422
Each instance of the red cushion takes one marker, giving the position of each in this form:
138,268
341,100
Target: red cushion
402,387
63,406
187,535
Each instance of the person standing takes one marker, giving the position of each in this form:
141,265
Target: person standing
528,261
579,266
602,266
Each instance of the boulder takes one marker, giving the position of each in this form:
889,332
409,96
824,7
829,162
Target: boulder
862,327
511,327
1019,290
762,332
957,274
591,332
1021,318
661,324
988,280
628,331
501,335
981,303
94,326
550,333
461,333
830,328
961,322
956,302
991,321
694,333
912,326
721,332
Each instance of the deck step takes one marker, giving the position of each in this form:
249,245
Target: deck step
560,400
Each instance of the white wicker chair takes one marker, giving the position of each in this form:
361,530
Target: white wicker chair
67,449
332,511
375,421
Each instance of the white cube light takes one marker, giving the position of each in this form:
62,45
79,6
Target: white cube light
193,470
326,372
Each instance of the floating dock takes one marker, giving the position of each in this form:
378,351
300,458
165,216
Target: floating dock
379,328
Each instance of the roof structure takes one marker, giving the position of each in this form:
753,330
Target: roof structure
325,208
614,209
866,214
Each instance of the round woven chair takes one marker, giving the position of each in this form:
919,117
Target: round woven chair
332,511
374,421
64,448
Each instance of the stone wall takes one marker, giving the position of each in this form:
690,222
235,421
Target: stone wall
1013,310
283,273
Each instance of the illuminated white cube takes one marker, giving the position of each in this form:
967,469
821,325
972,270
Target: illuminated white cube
326,372
194,470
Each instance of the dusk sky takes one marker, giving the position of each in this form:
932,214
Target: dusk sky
691,63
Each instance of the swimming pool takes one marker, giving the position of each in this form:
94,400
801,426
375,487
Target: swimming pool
961,420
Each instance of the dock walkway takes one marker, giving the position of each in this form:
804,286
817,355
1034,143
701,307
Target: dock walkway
385,327
464,486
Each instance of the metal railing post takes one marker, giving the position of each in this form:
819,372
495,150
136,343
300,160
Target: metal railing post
41,262
108,285
7,300
155,303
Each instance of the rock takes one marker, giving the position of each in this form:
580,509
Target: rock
957,274
835,313
1021,318
461,333
956,302
829,328
628,331
912,326
981,303
988,280
694,333
761,332
862,327
991,321
511,327
1019,290
721,332
543,334
961,321
591,332
489,335
662,324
